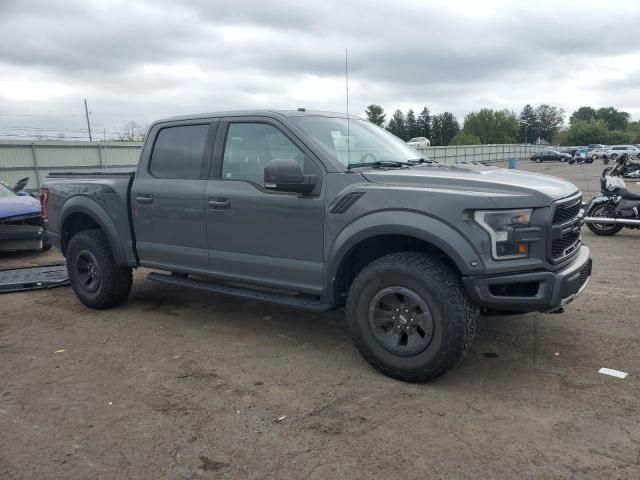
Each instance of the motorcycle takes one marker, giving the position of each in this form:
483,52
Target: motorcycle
625,167
616,207
580,160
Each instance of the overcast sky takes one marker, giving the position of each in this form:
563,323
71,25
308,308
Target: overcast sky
141,60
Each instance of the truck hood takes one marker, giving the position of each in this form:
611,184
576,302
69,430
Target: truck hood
16,206
503,186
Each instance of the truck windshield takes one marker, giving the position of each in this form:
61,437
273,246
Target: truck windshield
360,143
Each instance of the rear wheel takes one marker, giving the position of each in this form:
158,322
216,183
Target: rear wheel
95,278
604,229
410,317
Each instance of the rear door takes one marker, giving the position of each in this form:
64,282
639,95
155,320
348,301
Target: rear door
255,235
167,197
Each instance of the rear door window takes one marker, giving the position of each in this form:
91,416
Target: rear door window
179,152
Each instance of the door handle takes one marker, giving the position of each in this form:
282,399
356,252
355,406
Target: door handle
144,198
219,204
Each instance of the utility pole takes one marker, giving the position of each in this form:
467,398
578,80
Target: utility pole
86,112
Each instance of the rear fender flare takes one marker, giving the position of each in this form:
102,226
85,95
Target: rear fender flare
83,204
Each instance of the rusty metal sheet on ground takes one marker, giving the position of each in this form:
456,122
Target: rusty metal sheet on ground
33,278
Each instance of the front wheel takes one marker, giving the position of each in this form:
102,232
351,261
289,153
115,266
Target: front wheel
96,279
538,160
410,317
603,229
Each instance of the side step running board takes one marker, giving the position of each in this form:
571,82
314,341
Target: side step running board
296,301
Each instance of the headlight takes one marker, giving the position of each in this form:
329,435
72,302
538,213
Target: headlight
500,225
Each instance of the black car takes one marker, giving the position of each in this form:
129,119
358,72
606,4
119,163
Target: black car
550,154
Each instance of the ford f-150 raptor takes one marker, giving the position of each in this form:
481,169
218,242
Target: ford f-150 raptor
319,210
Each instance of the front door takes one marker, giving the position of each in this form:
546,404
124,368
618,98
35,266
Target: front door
258,236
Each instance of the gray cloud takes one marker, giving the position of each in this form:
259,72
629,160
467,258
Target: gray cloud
143,59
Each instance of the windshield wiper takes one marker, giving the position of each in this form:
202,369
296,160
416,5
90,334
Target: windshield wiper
380,163
417,161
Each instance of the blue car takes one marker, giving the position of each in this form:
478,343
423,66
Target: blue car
21,222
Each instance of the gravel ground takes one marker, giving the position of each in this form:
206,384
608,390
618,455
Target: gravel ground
184,384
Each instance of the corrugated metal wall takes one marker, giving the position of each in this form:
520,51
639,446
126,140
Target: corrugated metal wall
35,159
19,159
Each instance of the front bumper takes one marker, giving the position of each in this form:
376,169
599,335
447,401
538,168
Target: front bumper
539,291
21,237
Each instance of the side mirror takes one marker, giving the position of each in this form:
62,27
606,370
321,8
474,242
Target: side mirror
22,193
285,175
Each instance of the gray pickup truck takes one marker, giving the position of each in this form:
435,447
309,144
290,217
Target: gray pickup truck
318,210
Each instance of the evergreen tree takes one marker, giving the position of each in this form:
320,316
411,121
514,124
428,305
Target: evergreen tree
424,123
411,125
375,114
397,125
528,125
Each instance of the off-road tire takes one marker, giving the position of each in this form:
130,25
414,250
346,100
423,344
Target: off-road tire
453,313
114,281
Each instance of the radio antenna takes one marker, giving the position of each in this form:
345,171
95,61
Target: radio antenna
346,77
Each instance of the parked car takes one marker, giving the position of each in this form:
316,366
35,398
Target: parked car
615,151
570,150
600,152
21,223
269,206
419,142
593,146
550,154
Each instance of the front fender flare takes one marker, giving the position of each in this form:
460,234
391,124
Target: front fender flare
411,224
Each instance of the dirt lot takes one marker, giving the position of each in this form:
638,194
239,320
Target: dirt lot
184,384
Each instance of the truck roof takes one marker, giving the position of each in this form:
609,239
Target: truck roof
257,113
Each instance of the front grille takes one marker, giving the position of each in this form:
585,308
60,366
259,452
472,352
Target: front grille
565,213
585,272
565,246
565,229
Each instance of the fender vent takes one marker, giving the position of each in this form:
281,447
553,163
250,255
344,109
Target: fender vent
346,202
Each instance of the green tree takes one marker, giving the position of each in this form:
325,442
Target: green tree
464,138
586,114
375,114
492,126
583,132
549,120
527,125
397,125
614,118
444,126
411,125
424,123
